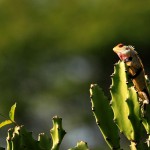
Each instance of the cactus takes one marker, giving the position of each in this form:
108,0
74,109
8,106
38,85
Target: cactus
127,111
57,132
125,105
20,139
80,146
101,108
44,141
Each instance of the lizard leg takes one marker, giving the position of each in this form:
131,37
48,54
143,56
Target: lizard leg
144,98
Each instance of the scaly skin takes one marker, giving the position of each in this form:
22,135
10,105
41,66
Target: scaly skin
135,70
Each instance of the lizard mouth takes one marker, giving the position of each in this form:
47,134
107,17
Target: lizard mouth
124,55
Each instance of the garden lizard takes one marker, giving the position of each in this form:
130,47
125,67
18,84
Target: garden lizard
135,70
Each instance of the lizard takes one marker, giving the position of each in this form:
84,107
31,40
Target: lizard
136,71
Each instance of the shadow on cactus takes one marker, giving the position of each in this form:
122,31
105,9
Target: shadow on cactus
123,113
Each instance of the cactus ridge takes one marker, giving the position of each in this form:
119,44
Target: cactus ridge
119,93
101,106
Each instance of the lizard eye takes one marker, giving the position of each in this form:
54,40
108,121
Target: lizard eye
120,45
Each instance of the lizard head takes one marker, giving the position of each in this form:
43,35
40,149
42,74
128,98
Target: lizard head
123,51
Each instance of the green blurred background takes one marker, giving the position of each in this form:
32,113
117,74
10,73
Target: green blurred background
52,50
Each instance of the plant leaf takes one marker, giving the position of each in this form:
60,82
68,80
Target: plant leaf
12,113
4,123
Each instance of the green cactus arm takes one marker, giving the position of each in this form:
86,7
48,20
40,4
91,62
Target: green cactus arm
135,114
80,146
57,132
20,139
44,142
8,139
119,93
146,119
125,104
139,146
104,117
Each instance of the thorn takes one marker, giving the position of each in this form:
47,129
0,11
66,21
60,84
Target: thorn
92,85
98,123
115,64
110,103
110,87
112,75
93,108
115,120
91,96
127,82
